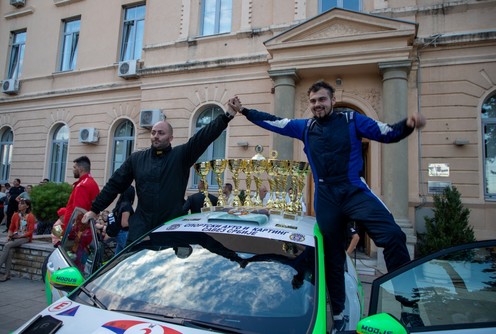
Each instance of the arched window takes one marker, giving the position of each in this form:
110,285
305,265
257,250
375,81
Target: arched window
123,144
6,142
488,116
216,150
58,159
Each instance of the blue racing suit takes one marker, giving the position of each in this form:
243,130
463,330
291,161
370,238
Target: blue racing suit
333,146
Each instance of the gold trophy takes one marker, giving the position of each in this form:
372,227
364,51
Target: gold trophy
300,180
235,166
282,172
273,180
247,168
259,166
218,166
202,169
296,168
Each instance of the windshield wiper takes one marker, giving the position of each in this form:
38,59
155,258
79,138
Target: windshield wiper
184,321
93,298
212,326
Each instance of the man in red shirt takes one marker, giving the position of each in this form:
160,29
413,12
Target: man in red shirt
84,191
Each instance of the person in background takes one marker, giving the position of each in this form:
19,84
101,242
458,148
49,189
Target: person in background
194,203
228,194
84,190
57,227
14,191
122,212
3,201
20,232
26,194
353,238
333,145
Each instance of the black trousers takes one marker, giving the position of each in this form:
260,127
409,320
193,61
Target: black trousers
337,204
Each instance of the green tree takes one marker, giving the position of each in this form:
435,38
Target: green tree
47,198
449,226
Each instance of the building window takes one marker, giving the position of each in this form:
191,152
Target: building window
123,144
216,17
355,5
58,159
70,45
18,44
132,33
216,150
488,116
6,142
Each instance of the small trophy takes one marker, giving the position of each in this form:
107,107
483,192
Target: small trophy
235,166
218,166
202,169
248,170
282,172
259,166
273,180
300,180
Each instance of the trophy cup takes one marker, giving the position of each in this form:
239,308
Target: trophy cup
259,166
296,168
273,179
247,168
218,166
282,172
302,173
235,165
202,169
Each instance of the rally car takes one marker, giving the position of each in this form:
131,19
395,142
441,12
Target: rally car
253,272
232,270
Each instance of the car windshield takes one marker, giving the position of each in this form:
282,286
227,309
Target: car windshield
255,284
456,290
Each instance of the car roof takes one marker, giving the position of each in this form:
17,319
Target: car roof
290,228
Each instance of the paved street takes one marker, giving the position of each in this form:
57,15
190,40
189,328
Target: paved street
20,300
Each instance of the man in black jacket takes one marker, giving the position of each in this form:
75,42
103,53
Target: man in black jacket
194,203
161,176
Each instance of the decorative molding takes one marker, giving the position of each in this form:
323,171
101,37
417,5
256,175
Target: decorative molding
59,3
18,13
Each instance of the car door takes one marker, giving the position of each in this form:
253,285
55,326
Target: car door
80,248
450,290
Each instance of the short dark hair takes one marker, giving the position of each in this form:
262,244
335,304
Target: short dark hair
228,186
83,162
319,85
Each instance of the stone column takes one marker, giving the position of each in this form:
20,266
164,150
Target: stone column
395,156
284,106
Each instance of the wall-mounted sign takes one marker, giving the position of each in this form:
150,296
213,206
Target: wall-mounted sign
439,170
437,187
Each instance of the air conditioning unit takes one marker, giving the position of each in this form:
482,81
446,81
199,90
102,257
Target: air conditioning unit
128,69
150,117
10,86
88,135
18,3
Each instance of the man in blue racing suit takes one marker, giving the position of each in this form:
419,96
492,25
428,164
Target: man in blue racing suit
333,145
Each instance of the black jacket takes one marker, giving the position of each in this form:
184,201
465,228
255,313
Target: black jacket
194,203
160,179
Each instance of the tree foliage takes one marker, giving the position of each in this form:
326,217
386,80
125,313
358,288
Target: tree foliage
449,226
47,198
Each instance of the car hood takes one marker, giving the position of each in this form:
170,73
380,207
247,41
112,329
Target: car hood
80,318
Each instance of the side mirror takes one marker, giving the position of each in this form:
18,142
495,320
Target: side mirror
380,323
66,278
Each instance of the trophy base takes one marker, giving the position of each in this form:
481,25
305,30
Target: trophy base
292,216
209,209
275,212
